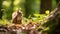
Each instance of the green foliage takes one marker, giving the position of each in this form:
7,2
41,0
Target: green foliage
54,4
38,17
4,22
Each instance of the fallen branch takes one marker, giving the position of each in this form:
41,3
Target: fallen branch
55,14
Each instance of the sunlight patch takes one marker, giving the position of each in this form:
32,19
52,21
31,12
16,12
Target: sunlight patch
6,3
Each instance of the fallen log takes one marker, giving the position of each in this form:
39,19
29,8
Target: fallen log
52,20
54,15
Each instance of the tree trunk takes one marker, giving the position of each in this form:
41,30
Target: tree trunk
45,5
1,12
28,7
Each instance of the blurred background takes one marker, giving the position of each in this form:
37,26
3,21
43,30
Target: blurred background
28,7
